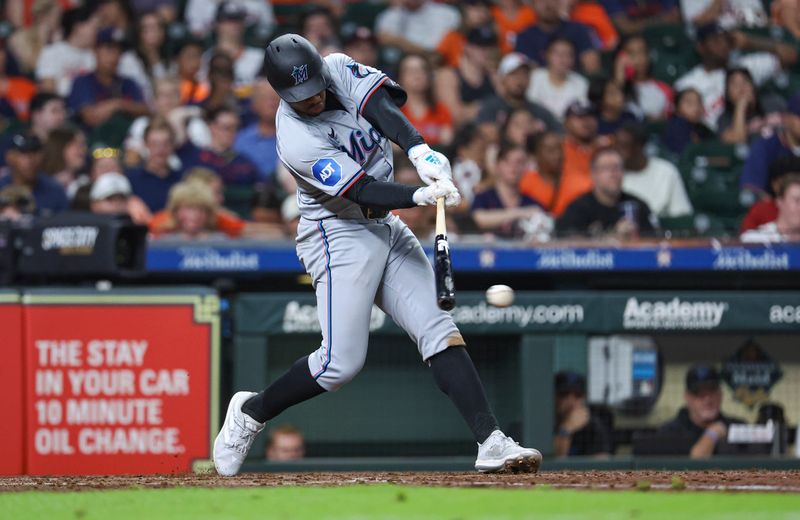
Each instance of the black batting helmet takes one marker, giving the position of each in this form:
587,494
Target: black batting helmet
294,68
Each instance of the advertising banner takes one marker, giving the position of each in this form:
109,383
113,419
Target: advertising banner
11,385
120,382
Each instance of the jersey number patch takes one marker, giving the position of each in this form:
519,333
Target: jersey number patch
327,171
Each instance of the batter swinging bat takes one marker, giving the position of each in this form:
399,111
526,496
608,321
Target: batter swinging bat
445,290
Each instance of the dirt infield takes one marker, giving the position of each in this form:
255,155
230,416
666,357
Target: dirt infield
778,481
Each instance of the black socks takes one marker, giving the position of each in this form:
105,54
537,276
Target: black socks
455,375
293,387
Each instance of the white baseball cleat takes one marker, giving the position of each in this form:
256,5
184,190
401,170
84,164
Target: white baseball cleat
236,437
501,453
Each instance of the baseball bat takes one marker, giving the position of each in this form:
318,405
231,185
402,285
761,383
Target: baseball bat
443,269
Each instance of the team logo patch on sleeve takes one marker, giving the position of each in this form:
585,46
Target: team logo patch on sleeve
327,171
359,71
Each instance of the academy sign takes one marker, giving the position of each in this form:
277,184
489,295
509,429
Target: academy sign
674,314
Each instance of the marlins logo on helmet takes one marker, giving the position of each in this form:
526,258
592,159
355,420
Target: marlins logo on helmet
300,74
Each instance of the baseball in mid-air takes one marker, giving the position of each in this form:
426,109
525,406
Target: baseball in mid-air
500,295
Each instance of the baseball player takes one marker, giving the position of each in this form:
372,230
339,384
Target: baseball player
334,125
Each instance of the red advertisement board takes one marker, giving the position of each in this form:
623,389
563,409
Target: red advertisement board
11,386
122,386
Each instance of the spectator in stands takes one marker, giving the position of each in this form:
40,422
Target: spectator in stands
26,43
511,18
462,86
115,14
148,60
98,96
786,226
745,118
285,443
428,115
551,184
469,161
475,16
48,112
167,10
632,69
728,13
501,209
221,86
785,142
654,180
578,431
189,59
362,46
608,98
686,124
580,140
257,142
595,17
714,45
64,156
23,159
514,72
318,26
765,210
152,181
606,210
16,91
557,85
229,32
186,120
16,202
533,41
220,155
634,16
519,126
192,208
201,15
701,418
110,194
61,62
416,25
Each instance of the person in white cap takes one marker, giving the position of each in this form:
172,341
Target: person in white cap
514,72
110,194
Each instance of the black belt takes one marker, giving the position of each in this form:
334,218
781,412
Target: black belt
373,213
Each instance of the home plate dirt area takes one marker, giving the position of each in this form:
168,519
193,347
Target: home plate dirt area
738,481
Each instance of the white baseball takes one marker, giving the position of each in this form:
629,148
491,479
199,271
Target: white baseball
500,295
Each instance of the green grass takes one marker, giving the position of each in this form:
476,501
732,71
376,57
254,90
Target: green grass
392,502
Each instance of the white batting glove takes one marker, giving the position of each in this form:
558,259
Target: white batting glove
428,195
431,166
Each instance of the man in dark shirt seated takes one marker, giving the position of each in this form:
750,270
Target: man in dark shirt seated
152,181
23,158
578,432
701,418
233,167
606,210
97,96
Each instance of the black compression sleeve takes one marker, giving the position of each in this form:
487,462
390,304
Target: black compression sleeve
382,113
381,195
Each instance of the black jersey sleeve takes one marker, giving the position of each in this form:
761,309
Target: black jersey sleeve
383,112
381,195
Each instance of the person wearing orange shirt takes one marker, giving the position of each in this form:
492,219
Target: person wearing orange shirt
580,125
551,184
189,56
428,115
15,91
475,14
592,14
511,17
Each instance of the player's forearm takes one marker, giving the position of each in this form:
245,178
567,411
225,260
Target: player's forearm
384,195
382,113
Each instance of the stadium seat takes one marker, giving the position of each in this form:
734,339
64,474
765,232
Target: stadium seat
668,37
239,199
362,14
711,173
678,226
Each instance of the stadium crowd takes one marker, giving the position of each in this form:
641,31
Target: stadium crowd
608,119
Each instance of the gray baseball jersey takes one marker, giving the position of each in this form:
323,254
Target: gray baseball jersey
355,262
329,152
